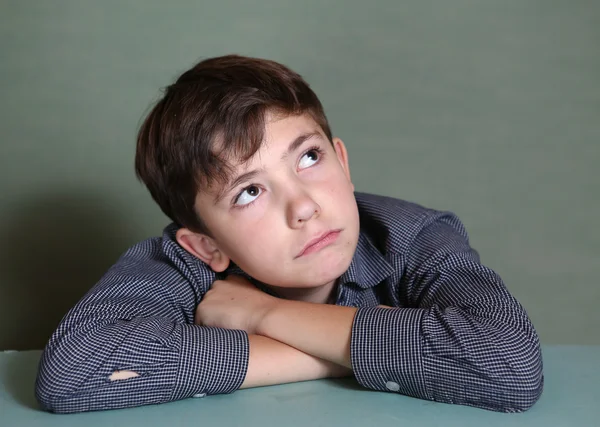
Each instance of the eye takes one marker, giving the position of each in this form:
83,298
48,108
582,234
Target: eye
248,195
309,158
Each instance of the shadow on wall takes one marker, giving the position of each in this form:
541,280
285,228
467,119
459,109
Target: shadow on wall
54,248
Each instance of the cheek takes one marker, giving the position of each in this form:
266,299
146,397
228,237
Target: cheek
254,243
338,187
261,256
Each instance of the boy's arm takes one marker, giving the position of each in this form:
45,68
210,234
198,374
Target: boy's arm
272,362
131,341
460,337
318,329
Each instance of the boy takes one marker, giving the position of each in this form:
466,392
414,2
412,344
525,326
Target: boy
275,271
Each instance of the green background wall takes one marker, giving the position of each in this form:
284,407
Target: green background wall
490,109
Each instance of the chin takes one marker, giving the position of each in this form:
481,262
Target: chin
332,269
324,271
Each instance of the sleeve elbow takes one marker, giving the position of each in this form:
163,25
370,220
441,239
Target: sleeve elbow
520,396
52,388
529,385
47,393
524,386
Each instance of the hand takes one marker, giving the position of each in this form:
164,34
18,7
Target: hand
234,303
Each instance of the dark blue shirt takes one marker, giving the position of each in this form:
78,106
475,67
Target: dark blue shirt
457,336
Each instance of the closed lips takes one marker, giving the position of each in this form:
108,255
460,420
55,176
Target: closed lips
324,238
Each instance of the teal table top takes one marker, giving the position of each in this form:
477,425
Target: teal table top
571,398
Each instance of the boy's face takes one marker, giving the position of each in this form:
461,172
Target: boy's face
297,191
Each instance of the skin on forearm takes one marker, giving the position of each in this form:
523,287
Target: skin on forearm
321,330
272,362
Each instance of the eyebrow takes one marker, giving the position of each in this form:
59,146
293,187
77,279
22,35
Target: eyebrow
294,145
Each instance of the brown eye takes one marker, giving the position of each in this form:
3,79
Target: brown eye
248,195
309,158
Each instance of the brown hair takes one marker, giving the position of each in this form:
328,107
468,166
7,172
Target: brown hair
222,99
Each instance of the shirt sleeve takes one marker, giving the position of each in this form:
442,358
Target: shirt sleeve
459,337
138,317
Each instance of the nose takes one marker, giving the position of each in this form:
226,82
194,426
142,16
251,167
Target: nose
302,208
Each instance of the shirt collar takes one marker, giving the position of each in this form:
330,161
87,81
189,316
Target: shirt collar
368,267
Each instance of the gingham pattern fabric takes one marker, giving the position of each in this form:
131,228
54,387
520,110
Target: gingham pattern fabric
455,336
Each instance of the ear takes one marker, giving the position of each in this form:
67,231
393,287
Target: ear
204,248
342,155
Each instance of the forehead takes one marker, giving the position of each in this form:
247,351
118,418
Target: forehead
279,130
274,127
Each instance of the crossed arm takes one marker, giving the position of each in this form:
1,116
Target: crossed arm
289,340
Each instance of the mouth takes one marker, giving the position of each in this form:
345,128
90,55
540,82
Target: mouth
319,242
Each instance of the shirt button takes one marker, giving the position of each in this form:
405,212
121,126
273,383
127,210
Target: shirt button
199,395
392,386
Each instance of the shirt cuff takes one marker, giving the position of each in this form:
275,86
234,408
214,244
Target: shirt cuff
386,350
213,361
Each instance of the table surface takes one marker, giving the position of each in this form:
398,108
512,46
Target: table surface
571,398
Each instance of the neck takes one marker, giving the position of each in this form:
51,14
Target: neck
323,294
